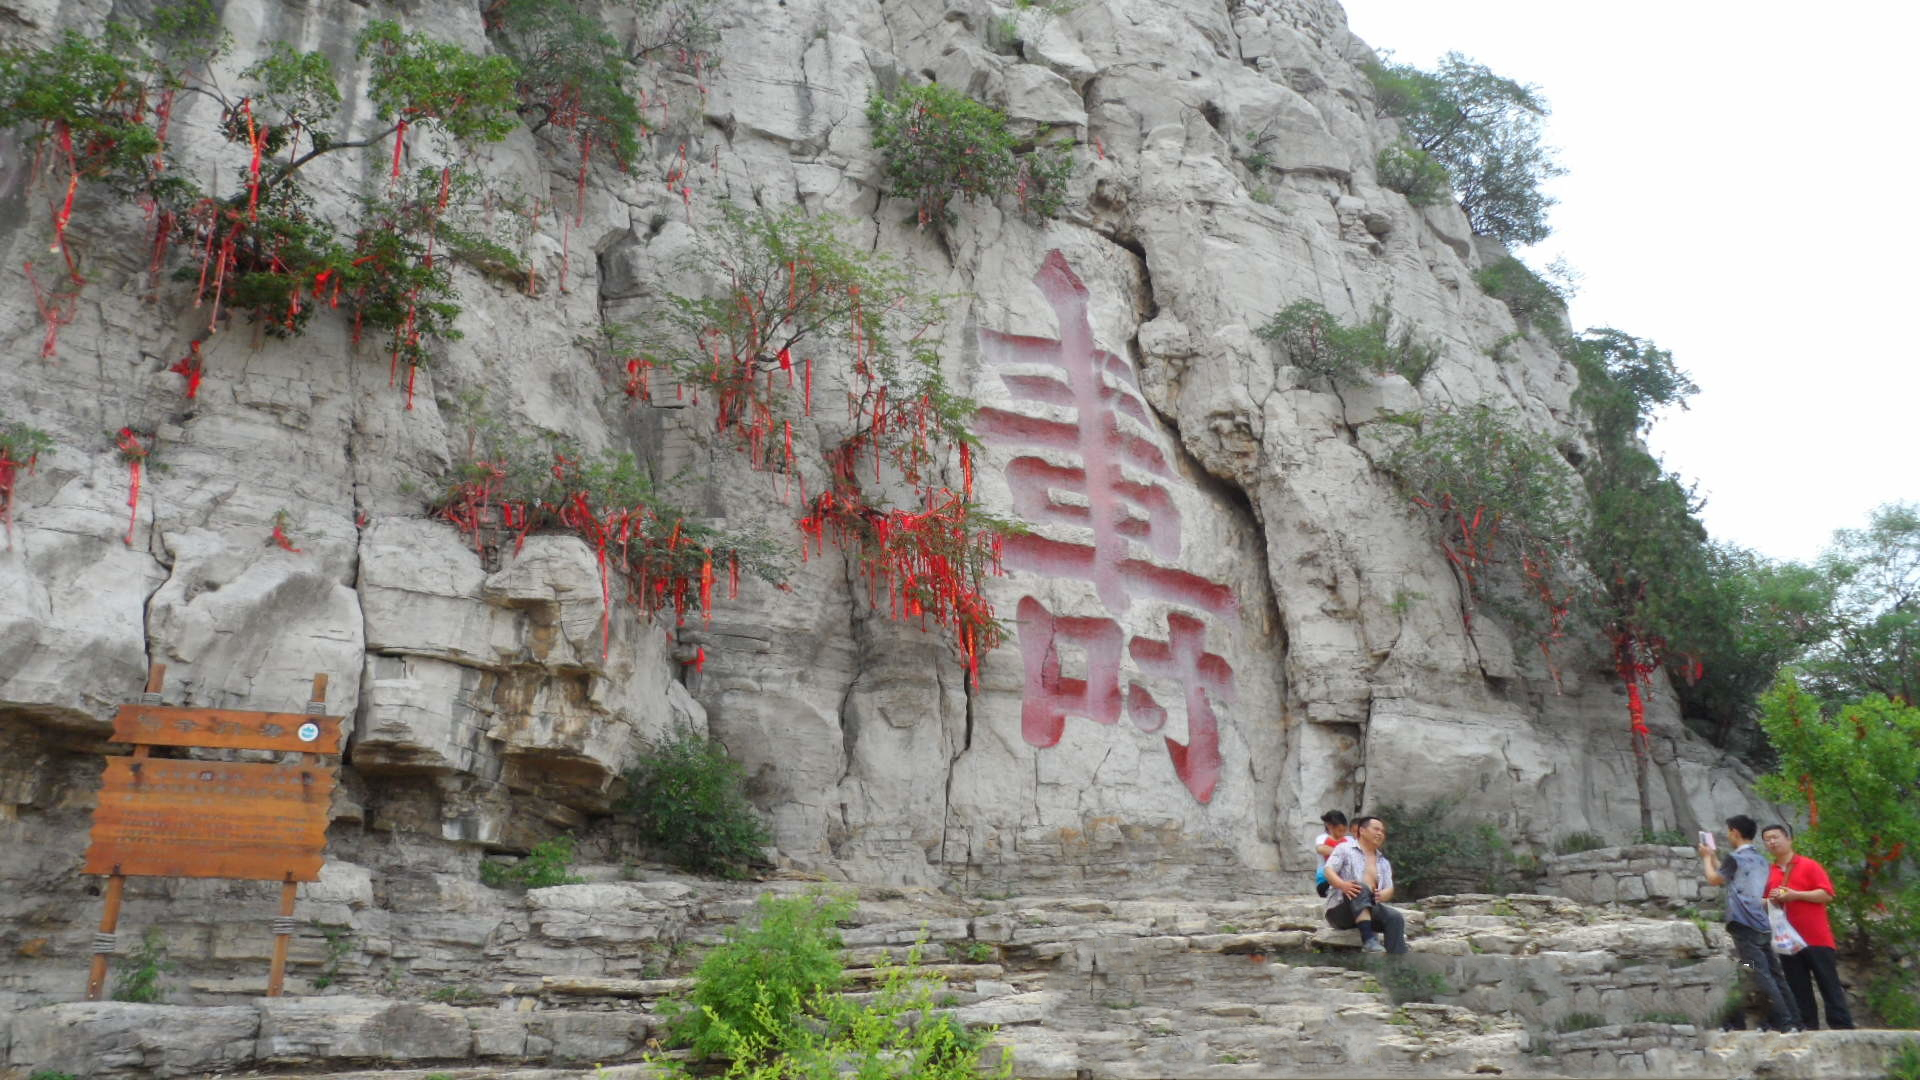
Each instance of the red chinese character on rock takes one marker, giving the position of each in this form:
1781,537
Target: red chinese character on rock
1098,474
1113,491
1049,698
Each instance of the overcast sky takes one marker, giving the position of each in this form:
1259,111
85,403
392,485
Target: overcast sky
1740,189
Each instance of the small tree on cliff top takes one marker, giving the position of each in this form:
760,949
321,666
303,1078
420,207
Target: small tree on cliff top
1485,129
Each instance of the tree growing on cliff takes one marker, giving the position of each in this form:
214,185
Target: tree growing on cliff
791,300
1855,769
1485,129
98,113
938,144
1875,576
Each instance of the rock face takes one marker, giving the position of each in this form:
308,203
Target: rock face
1223,620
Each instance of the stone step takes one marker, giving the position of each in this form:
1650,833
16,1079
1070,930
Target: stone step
1078,986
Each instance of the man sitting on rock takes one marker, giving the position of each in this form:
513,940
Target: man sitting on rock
1743,872
1803,890
1335,823
1362,883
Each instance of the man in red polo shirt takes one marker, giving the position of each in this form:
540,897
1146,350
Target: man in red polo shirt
1802,887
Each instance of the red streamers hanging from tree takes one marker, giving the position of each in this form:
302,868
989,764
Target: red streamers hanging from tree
134,454
192,367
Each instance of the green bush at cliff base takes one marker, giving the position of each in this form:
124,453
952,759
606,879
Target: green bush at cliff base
1434,851
897,1032
751,992
140,976
1576,842
547,864
685,798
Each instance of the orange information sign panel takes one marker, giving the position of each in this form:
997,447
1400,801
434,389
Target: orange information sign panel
179,725
163,817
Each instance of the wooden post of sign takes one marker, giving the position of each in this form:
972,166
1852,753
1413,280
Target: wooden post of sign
283,926
105,941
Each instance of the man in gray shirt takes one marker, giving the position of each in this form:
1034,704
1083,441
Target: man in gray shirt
1360,881
1743,872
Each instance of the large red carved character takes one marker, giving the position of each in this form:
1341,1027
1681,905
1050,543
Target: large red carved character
1110,487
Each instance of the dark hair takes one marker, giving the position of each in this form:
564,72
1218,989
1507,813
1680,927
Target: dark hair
1333,817
1743,825
1776,826
1362,821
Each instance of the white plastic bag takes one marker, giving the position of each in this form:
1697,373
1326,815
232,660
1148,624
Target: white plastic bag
1786,940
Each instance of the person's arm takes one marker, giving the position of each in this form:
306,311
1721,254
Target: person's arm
1710,866
1324,846
1337,880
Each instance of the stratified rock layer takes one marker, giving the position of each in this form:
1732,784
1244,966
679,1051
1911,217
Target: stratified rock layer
1078,987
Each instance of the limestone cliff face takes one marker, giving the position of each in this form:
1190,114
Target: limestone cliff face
1225,619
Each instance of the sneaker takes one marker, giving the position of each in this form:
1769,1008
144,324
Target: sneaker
1373,945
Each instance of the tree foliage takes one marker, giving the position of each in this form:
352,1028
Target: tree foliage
1756,615
1856,771
572,73
1874,573
1624,380
416,78
104,107
512,483
786,291
1503,497
1485,130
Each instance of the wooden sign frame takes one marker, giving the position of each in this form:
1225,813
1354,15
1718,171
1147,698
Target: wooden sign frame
160,817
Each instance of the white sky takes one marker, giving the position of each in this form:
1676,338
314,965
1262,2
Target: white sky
1741,188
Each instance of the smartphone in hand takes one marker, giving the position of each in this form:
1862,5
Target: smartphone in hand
1706,841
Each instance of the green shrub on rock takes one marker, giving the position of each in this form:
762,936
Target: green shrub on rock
1533,301
1414,173
1434,852
685,798
753,990
897,1032
547,864
938,144
1323,347
1576,842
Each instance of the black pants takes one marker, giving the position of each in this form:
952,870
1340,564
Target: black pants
1755,951
1815,963
1391,924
